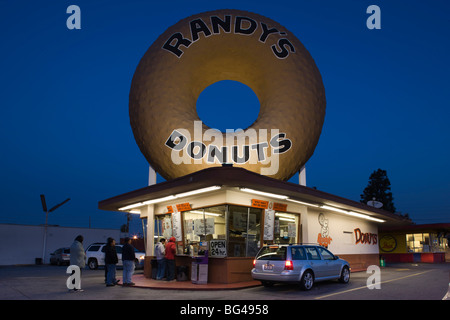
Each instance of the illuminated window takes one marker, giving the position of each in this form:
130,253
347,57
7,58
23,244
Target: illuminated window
286,226
203,225
244,231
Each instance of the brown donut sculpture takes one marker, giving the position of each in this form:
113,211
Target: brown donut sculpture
227,45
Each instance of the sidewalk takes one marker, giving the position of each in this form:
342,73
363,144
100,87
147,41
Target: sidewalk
142,282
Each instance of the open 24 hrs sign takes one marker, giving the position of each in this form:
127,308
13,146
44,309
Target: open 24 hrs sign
218,248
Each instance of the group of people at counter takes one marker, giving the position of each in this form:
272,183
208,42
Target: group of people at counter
165,257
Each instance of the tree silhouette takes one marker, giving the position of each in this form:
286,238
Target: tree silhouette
379,189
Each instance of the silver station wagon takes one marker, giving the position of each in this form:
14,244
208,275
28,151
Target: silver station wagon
298,263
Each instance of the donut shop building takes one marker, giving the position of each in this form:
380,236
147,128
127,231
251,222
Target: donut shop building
227,213
221,215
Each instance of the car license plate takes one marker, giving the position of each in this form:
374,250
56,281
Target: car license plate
268,267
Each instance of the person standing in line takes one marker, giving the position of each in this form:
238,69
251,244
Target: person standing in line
78,256
110,261
128,258
159,253
170,259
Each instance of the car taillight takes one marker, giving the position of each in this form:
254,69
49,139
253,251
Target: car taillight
288,265
254,263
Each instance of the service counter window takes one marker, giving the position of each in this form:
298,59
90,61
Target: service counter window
244,231
286,228
163,227
203,225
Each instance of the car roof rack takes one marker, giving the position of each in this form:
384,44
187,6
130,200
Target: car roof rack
305,243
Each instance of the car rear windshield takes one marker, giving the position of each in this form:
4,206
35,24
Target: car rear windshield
272,253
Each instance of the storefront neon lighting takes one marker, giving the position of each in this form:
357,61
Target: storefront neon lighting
267,194
171,197
351,213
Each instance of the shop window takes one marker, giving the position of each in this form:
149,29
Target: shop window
286,226
244,231
163,227
203,225
425,242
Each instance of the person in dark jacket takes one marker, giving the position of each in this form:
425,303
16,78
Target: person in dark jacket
128,258
110,261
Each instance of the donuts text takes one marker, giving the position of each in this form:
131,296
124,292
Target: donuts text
237,147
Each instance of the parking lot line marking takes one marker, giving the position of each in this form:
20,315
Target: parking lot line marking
402,269
365,287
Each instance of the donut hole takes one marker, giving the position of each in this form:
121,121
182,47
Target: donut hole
228,104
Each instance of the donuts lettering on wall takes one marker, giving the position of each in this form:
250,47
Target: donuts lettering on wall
227,45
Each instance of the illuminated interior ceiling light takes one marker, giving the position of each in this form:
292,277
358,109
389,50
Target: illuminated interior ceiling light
136,211
305,203
352,213
190,193
286,219
267,194
284,215
206,213
213,214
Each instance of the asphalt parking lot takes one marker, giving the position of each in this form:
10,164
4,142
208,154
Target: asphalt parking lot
395,282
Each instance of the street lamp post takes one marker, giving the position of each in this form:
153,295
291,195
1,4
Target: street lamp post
47,211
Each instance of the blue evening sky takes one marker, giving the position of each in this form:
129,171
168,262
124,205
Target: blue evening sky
64,121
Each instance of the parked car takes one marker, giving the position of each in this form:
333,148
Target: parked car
95,256
60,256
297,263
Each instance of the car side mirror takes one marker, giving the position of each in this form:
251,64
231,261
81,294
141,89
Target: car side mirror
336,257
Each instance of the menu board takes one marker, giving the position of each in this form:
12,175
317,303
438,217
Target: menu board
176,226
292,230
269,224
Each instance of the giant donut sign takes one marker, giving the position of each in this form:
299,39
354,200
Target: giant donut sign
227,45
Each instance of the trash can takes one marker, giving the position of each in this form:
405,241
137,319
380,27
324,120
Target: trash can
38,261
182,273
154,264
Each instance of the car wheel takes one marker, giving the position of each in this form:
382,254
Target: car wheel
307,280
345,275
92,264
